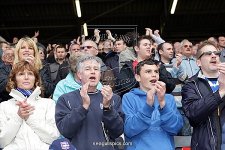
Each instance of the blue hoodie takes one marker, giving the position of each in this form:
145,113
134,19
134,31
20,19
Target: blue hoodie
150,128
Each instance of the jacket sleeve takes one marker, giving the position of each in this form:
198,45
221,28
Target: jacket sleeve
69,120
58,91
45,128
3,77
113,119
157,39
171,119
62,73
9,126
166,77
198,107
125,81
46,80
135,122
179,72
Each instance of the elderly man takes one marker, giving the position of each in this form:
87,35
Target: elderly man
188,61
107,77
87,116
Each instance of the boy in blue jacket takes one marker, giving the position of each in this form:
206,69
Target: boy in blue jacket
151,116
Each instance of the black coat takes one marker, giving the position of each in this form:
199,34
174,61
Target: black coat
205,111
126,80
4,73
63,71
112,61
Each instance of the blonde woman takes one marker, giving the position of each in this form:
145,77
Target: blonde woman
26,49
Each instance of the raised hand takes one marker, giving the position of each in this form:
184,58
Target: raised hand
107,95
160,88
78,40
221,79
84,95
156,33
25,109
108,32
36,34
178,60
30,59
150,96
96,33
82,38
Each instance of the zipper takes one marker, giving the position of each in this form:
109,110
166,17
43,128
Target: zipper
218,111
212,132
190,66
106,136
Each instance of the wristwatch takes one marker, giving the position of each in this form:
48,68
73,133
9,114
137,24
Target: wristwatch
107,108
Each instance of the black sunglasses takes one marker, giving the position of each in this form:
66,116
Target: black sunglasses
208,53
88,47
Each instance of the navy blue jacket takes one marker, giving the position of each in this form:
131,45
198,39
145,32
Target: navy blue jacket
205,111
112,61
4,74
84,127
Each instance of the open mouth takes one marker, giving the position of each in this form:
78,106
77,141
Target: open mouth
213,62
92,78
153,81
26,54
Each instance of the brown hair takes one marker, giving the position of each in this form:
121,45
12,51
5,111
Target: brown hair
204,43
21,66
143,37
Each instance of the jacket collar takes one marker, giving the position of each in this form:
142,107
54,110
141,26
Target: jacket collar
186,58
199,75
20,97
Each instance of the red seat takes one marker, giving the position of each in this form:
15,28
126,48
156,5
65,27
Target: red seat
186,148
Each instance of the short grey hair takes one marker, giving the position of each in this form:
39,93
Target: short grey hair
73,60
93,43
184,41
84,58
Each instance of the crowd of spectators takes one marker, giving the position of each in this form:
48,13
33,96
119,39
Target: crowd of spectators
140,92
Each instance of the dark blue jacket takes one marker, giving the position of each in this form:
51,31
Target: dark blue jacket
205,111
112,61
4,74
84,127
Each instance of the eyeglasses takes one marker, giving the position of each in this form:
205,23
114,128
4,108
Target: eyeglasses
186,46
9,55
208,53
88,47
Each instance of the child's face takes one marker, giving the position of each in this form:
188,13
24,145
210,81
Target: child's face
149,74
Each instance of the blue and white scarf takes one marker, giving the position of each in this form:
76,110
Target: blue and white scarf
214,84
26,93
